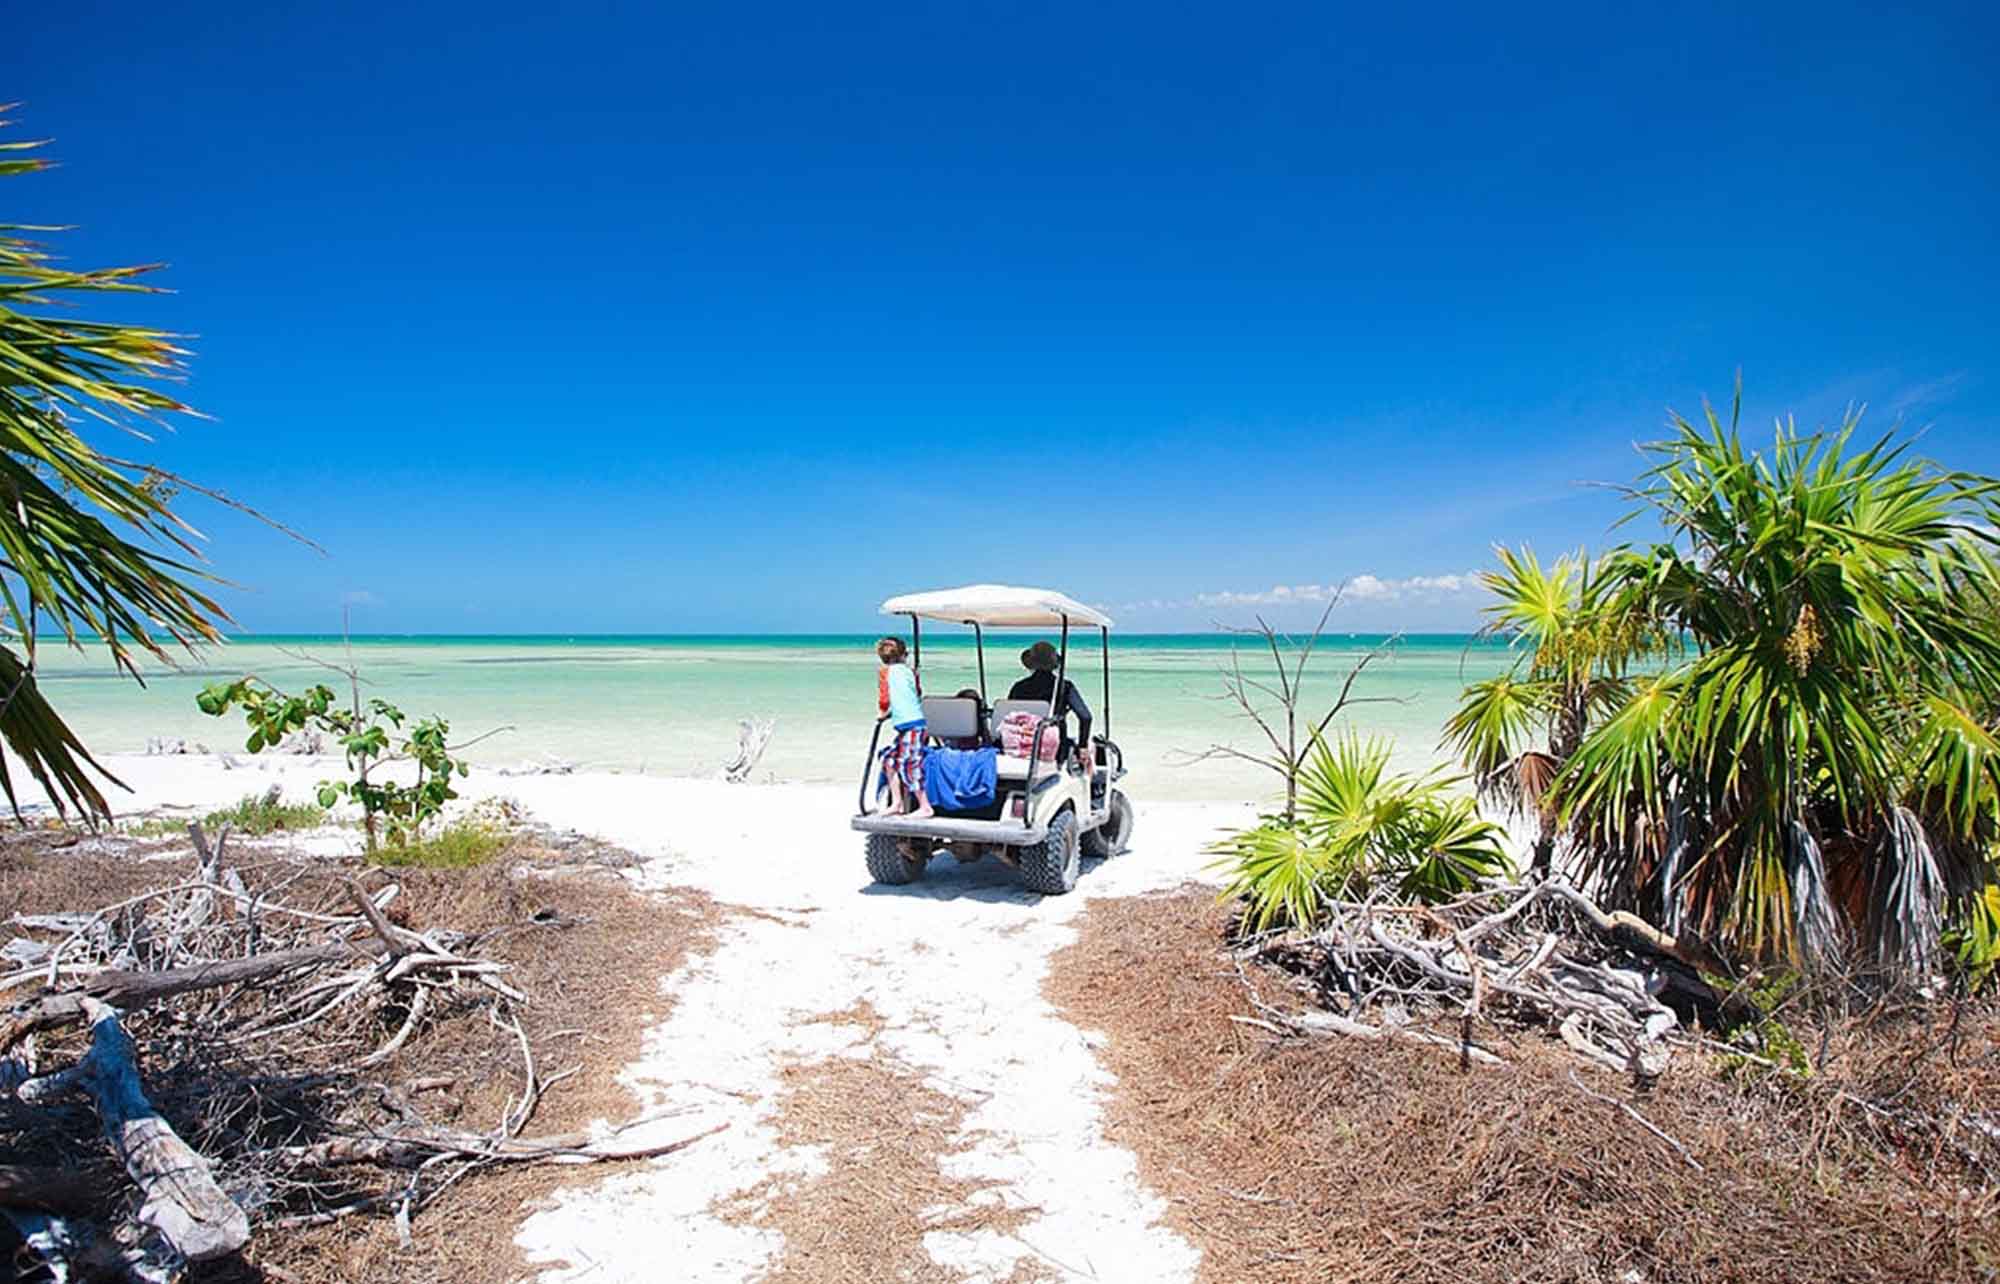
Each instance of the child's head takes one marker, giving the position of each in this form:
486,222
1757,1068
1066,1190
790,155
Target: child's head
891,650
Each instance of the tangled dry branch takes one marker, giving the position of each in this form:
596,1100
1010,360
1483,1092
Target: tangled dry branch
256,996
1469,975
1517,955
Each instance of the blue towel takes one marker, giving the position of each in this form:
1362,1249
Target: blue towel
961,779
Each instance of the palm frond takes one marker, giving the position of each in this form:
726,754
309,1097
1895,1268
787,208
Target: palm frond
89,546
46,747
1826,607
1358,828
1494,720
1908,900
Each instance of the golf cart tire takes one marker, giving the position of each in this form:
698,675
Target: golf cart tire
1051,866
1113,836
887,864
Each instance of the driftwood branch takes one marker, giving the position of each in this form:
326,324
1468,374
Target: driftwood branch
180,1197
1536,955
277,1008
129,989
753,737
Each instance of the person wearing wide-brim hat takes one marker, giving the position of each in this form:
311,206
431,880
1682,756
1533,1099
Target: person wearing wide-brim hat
1041,661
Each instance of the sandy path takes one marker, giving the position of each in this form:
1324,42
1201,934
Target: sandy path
954,966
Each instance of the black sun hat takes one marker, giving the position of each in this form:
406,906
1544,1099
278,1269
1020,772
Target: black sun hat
1041,657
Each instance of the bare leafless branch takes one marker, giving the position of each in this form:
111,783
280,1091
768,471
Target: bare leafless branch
1289,753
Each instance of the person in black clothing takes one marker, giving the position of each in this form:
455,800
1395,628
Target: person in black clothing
1041,661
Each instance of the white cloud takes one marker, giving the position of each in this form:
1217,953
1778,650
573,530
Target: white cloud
1276,595
1360,588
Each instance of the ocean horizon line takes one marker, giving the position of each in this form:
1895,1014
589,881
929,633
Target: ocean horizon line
936,632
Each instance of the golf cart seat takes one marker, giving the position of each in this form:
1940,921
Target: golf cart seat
1007,768
953,719
1016,768
1001,708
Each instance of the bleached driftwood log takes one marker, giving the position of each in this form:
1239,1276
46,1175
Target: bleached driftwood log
180,1197
127,989
753,736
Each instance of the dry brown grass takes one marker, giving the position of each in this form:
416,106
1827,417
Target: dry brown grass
586,947
595,985
883,1133
44,870
1331,1160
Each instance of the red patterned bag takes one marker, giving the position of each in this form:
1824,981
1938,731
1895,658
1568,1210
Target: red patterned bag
1017,731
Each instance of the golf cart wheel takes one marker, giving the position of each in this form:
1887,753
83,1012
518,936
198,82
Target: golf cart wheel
888,864
1050,866
1115,834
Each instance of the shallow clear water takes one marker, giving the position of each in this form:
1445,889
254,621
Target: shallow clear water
670,705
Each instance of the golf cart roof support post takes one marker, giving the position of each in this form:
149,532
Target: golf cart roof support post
917,648
868,767
979,649
1035,746
1104,635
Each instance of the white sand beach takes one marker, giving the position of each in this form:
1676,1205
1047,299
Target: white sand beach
953,966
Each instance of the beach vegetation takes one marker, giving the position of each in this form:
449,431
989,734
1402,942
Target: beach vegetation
1782,717
375,742
1973,938
1573,645
1275,703
459,845
260,814
1358,829
254,814
92,550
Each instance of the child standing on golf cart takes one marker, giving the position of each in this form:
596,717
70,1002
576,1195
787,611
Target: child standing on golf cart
896,695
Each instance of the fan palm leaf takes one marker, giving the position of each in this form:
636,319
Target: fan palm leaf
89,545
1573,637
1827,711
1358,827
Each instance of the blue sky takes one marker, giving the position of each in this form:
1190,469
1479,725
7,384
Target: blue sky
732,317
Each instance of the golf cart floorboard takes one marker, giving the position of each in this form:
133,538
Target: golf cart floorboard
1010,833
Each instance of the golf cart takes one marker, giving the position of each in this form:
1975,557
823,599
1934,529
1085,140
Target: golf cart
1047,811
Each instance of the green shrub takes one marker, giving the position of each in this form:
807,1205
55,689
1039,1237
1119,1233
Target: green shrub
372,735
459,845
1768,1038
1359,829
1973,938
254,814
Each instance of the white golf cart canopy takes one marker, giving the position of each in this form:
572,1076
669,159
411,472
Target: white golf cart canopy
997,606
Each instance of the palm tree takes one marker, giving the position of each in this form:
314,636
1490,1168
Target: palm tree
1358,828
89,546
1572,644
1816,762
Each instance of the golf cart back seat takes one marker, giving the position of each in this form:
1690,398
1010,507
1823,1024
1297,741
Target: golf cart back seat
1010,767
953,718
1001,708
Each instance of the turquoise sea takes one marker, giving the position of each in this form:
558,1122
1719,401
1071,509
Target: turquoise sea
670,704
